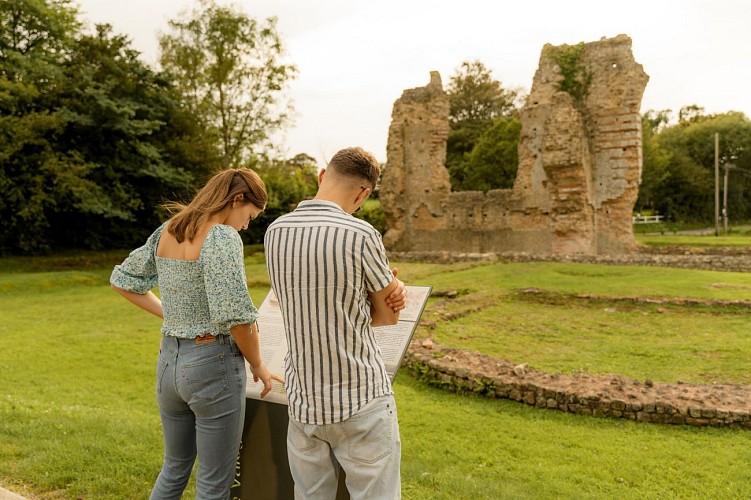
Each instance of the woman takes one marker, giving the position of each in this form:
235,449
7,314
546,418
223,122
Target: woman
209,325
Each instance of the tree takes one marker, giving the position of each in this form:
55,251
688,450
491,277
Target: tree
476,100
34,38
228,66
655,172
493,162
136,143
475,96
288,182
653,122
690,113
678,175
91,139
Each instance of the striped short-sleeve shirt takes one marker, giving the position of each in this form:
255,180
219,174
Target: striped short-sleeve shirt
321,263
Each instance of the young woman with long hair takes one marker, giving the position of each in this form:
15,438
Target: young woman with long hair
209,328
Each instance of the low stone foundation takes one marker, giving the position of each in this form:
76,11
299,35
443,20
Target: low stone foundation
711,259
717,405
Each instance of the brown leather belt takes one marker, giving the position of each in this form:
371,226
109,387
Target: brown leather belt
205,339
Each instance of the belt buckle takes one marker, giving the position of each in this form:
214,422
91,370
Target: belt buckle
205,339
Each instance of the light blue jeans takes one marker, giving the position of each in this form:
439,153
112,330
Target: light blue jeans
366,445
200,389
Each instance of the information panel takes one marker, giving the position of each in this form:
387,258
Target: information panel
393,340
263,469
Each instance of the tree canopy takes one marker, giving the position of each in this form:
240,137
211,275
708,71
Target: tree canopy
228,66
678,176
478,103
288,182
91,139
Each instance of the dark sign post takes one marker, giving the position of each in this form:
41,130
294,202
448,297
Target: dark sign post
263,468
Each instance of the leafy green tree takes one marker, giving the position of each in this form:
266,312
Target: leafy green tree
476,101
91,139
137,144
678,175
493,162
697,142
372,213
655,173
475,96
34,36
288,182
33,40
228,66
691,113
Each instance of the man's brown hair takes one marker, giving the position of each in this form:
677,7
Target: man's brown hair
356,162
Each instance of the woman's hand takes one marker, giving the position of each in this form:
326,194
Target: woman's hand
248,341
261,373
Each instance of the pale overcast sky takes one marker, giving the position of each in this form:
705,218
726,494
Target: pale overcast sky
356,57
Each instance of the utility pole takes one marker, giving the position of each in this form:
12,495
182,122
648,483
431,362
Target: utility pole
716,184
725,199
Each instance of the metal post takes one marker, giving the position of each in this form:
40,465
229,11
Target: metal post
716,184
725,200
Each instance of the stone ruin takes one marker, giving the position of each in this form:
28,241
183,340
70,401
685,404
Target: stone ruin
578,176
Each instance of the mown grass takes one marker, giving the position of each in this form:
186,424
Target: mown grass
695,240
669,234
667,227
605,280
469,448
665,344
79,418
556,332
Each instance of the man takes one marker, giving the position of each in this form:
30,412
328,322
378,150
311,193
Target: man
331,276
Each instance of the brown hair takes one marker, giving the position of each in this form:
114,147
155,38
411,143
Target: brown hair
214,197
356,162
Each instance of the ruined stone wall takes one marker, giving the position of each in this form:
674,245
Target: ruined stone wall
578,175
716,405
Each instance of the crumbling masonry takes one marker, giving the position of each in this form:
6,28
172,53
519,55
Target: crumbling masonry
578,176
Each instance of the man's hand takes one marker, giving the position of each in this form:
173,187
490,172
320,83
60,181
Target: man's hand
397,300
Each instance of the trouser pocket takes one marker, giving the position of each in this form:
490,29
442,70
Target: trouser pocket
161,369
371,432
207,378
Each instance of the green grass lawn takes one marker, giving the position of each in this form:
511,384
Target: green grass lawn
699,240
557,332
79,417
665,235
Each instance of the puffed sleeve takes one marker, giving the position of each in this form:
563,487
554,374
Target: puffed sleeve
224,277
138,273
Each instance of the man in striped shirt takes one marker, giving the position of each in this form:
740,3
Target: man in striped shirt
332,279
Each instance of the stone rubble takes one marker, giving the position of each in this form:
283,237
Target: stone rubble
716,405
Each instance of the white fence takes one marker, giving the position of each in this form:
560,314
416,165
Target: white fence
647,219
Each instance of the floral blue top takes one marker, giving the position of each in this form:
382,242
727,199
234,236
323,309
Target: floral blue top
207,295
